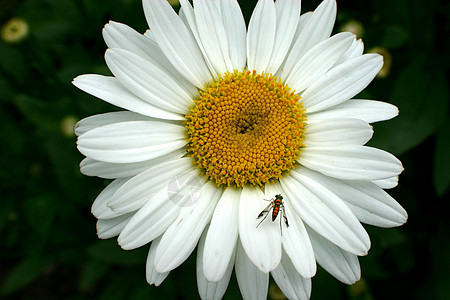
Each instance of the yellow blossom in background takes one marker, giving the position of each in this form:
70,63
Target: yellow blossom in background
174,2
15,30
387,57
275,292
354,27
67,126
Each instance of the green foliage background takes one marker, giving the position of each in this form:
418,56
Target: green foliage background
48,243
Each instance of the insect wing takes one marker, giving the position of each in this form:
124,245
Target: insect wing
265,211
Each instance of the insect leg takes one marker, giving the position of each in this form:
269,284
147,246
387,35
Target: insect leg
284,216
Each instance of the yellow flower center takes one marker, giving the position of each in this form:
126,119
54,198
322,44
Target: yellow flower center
245,128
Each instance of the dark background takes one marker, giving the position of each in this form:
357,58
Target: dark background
48,243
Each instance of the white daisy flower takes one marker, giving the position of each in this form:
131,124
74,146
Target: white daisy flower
220,119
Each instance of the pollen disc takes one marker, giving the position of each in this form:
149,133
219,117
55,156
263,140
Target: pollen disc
245,128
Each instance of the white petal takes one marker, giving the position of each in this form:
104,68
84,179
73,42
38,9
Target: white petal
387,183
355,50
352,162
141,188
317,29
317,61
326,213
297,245
236,31
154,277
108,228
121,36
211,290
148,81
287,14
253,283
295,239
182,236
176,41
302,21
148,33
151,220
337,132
261,35
375,207
222,236
187,15
100,120
112,91
212,35
291,283
262,244
91,167
341,82
339,263
118,35
367,110
129,142
100,208
370,203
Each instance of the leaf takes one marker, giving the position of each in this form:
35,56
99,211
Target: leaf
40,213
91,273
23,273
441,174
117,289
39,112
143,292
109,251
394,36
13,63
359,291
64,159
421,97
439,264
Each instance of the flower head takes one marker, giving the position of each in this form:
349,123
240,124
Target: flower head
225,125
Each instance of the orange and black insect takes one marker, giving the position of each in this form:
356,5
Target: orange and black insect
276,205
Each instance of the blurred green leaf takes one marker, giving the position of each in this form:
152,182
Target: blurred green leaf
64,158
359,291
390,238
40,213
394,36
143,292
329,287
118,288
436,285
37,111
372,268
441,168
402,258
6,90
23,273
382,241
93,271
109,251
13,140
422,98
13,64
